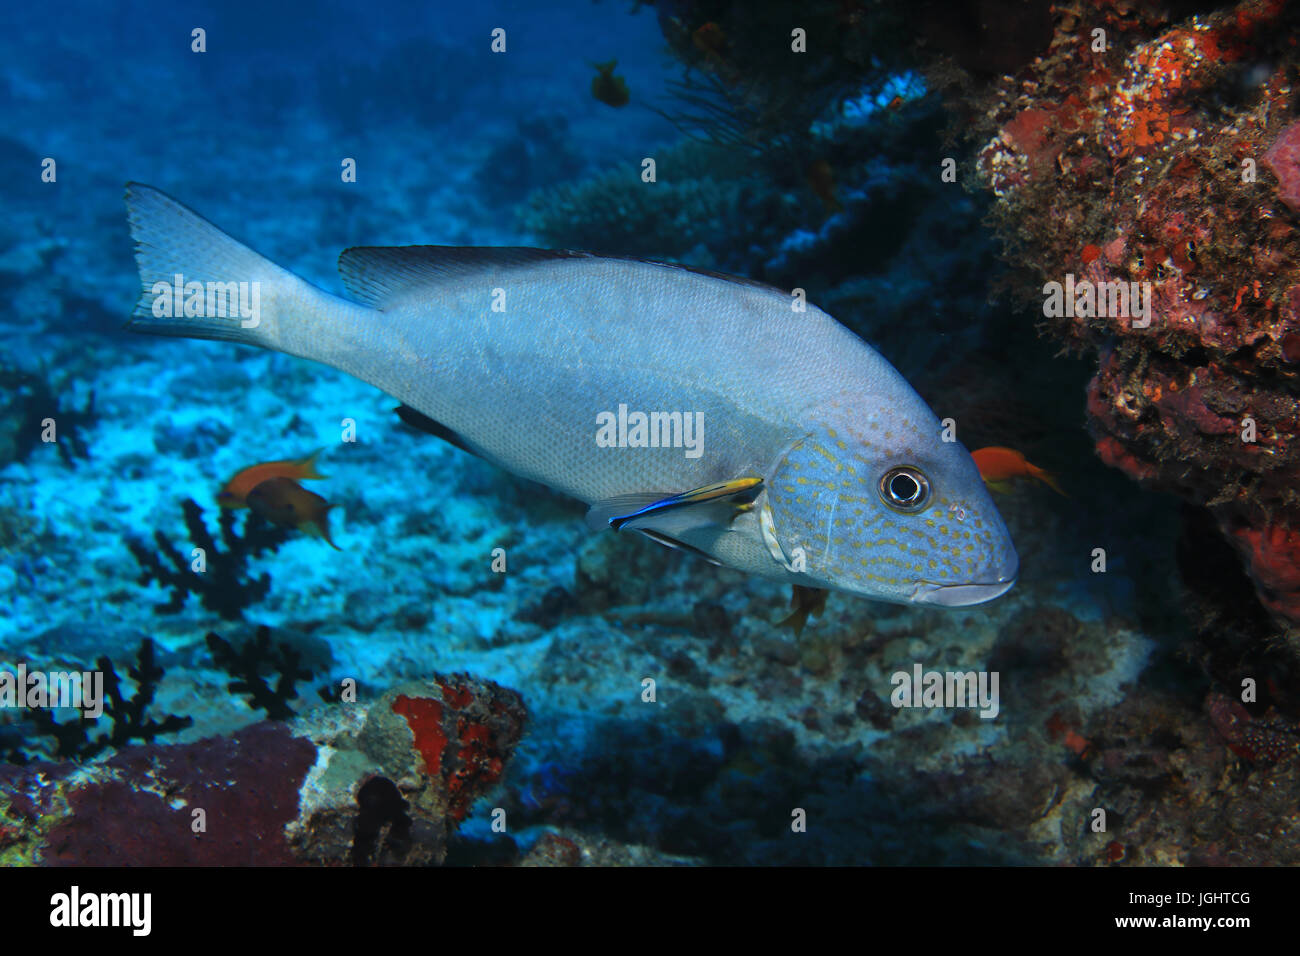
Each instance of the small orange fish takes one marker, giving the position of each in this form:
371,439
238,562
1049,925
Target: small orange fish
284,502
998,466
608,88
235,492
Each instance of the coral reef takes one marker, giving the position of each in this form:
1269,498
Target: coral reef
1269,739
28,402
128,716
824,171
463,733
743,84
1165,164
221,582
793,164
250,665
357,784
701,198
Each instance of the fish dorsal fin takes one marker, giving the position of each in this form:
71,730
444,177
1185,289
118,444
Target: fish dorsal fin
377,275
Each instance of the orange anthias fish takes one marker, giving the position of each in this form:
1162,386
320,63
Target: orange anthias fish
608,88
235,492
284,502
998,466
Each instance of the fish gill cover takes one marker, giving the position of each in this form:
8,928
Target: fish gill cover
587,505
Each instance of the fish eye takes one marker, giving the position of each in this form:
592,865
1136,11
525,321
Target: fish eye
905,489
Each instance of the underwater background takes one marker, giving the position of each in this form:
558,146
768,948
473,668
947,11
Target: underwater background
921,170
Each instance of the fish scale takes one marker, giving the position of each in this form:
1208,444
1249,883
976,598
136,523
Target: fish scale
782,393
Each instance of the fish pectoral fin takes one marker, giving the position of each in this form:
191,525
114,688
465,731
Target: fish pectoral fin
676,545
713,504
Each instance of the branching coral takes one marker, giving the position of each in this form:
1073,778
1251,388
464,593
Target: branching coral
250,665
33,406
128,715
699,202
218,577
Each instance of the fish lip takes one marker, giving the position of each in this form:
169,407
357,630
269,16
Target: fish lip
962,595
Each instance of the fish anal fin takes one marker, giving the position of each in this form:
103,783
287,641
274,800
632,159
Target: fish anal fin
423,423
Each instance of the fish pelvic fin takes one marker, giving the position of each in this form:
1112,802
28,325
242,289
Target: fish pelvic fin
716,503
806,603
669,542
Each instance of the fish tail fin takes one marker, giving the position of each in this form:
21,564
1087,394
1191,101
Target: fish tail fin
197,282
308,466
319,527
1049,479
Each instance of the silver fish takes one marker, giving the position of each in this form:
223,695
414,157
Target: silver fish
704,411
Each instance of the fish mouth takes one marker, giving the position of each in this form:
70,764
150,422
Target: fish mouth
961,595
